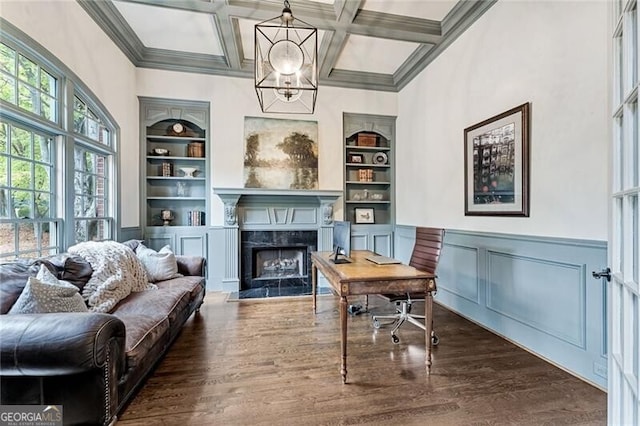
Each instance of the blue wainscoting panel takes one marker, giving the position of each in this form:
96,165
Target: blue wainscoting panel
304,216
403,239
458,267
517,286
132,233
382,243
256,216
535,291
359,241
280,215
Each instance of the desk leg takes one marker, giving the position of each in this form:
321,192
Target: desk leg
314,284
428,329
343,339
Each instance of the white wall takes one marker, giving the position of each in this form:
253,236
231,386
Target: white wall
550,53
57,24
234,98
68,33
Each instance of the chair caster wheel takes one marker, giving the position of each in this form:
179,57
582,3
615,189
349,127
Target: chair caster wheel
395,339
376,323
435,340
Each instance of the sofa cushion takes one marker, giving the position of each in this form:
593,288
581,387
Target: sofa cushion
160,265
187,284
13,279
163,301
73,269
144,332
133,244
45,294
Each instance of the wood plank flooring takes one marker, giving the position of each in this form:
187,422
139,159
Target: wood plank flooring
274,362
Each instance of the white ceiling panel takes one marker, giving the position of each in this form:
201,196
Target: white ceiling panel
246,34
426,9
356,54
172,29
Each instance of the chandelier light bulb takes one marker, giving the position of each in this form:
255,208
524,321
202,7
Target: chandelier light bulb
287,91
286,57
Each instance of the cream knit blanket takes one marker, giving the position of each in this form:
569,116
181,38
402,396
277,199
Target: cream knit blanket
116,273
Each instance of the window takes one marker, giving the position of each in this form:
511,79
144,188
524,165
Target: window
91,195
44,207
87,123
26,84
26,192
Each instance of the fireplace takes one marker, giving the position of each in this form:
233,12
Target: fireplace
292,223
276,263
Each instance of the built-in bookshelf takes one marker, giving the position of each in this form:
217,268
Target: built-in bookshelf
175,171
369,179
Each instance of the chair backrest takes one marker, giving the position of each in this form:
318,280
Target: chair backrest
426,251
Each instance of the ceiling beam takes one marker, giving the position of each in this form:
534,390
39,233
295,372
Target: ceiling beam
336,41
395,27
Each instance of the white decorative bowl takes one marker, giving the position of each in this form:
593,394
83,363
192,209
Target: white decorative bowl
188,171
160,151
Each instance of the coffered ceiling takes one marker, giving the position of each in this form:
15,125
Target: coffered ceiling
366,44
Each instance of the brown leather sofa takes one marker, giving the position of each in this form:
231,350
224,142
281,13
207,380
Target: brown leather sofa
90,363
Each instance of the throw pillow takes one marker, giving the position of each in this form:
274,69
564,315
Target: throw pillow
44,293
160,265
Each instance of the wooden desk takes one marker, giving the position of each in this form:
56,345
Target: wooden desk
362,277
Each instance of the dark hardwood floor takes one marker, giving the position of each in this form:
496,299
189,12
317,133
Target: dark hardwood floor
276,363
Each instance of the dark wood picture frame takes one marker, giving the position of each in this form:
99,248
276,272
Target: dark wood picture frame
496,165
355,158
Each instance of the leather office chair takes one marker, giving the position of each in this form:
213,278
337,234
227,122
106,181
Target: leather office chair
425,257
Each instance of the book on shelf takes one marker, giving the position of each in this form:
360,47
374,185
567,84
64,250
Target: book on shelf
195,218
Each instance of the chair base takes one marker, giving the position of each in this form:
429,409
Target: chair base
400,318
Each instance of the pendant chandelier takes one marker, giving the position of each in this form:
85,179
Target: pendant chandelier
286,64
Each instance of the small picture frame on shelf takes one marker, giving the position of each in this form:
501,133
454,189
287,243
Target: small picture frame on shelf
364,215
355,158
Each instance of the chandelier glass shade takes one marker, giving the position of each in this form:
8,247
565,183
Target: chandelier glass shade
286,64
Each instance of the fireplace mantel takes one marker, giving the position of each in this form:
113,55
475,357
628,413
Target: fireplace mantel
245,195
234,197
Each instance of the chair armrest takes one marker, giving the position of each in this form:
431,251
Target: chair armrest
191,265
59,343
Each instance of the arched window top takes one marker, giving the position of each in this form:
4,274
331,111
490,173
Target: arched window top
27,84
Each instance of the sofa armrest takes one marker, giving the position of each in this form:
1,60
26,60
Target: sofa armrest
191,265
60,343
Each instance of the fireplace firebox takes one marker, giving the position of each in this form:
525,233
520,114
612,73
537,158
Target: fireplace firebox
276,263
281,262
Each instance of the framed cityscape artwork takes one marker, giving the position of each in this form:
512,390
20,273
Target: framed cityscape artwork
496,165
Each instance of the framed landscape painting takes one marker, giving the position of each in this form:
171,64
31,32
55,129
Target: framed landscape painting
280,154
496,165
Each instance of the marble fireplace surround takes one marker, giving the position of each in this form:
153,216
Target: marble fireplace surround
253,209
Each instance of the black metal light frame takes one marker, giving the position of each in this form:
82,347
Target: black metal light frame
286,64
